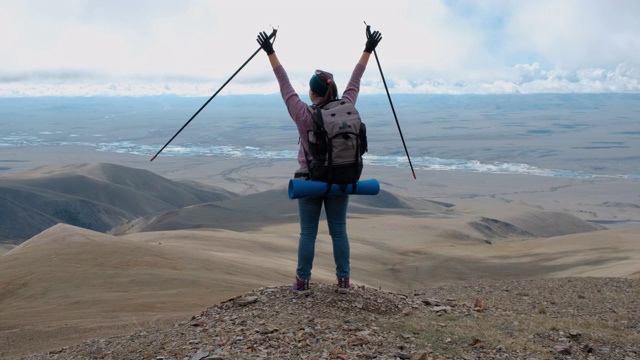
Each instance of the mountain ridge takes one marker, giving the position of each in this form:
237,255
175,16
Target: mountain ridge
95,196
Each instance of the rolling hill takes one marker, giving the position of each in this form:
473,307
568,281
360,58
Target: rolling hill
92,196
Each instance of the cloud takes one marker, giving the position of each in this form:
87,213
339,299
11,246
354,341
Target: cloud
574,33
447,46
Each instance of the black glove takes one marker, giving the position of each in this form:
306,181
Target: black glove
265,44
372,41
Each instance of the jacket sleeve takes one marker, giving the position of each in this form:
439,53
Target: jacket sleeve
353,87
298,110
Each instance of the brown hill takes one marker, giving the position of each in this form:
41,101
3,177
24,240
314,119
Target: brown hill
120,200
533,224
91,196
271,207
69,284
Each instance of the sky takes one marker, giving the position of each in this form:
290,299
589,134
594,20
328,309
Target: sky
192,47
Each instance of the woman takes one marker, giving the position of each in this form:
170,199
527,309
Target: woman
322,89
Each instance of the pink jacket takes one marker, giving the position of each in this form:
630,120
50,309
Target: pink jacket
299,110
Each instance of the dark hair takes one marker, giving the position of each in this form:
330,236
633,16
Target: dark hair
332,90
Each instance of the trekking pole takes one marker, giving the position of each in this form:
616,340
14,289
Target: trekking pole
273,35
391,103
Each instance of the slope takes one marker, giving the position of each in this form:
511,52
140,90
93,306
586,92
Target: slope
92,196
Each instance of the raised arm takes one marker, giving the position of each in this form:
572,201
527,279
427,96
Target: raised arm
297,108
364,58
353,86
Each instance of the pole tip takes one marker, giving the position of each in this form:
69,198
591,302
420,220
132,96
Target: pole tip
155,156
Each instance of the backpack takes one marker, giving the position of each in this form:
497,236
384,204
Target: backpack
337,141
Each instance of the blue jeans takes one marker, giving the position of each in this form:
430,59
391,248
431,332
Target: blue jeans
336,212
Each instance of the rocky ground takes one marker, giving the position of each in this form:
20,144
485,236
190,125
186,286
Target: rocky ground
565,318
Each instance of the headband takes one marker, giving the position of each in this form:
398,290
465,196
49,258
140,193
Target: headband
317,86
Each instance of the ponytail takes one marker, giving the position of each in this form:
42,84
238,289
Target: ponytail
322,84
332,92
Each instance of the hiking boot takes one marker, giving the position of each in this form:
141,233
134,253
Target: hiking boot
301,287
343,286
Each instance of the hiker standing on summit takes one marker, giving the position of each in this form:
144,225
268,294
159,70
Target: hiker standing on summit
322,89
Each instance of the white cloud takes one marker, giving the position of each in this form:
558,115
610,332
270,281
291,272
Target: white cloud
190,47
577,33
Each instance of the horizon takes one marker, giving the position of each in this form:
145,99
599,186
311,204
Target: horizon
303,93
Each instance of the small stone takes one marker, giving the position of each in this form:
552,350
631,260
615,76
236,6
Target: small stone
359,341
245,300
563,349
423,355
479,305
587,348
441,308
200,355
431,302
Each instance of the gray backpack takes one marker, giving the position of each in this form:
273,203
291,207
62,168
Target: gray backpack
337,141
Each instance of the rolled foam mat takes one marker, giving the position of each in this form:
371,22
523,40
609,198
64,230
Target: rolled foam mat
303,188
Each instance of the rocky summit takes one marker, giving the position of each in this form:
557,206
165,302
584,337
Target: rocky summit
565,318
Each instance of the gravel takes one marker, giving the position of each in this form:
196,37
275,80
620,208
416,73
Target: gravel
563,318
